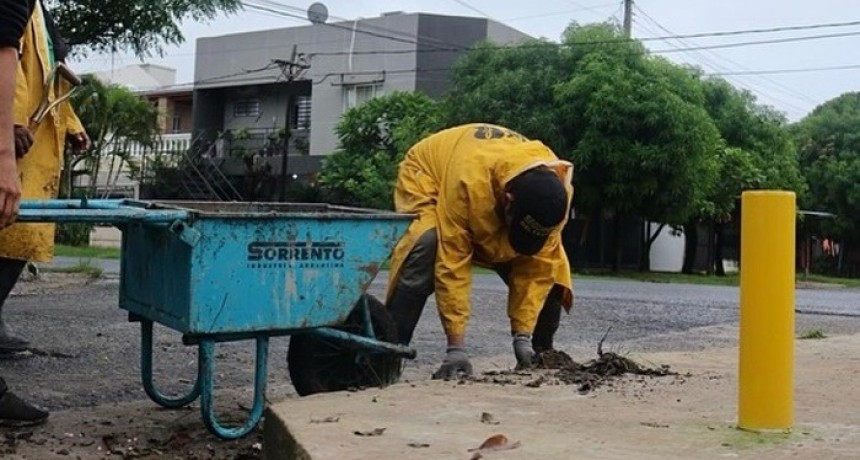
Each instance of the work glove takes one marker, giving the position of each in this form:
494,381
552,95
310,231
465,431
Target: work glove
23,141
523,351
455,364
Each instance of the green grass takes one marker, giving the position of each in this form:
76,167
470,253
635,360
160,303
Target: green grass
86,252
731,279
662,277
847,282
812,334
84,266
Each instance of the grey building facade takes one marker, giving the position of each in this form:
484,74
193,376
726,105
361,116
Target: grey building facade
241,88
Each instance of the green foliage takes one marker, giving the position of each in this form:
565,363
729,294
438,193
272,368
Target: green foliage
758,131
373,139
512,87
642,142
142,27
829,143
114,117
73,234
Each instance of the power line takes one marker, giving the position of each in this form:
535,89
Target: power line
279,9
719,68
456,47
560,13
714,68
825,25
761,42
333,25
788,71
472,8
300,13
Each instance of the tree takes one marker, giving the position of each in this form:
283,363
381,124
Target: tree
643,143
829,143
142,27
512,87
373,139
758,153
114,118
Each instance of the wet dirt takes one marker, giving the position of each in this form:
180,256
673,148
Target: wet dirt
555,367
127,431
594,373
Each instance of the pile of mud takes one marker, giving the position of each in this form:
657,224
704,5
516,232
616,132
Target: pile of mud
556,367
593,373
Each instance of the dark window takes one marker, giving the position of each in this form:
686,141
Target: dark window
246,108
302,113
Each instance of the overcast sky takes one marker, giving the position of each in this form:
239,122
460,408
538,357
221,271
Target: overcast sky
795,94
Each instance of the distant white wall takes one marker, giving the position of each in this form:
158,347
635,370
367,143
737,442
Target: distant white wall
667,252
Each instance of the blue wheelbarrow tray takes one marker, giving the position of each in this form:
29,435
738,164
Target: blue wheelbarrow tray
218,272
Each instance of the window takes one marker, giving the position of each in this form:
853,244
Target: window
176,124
246,108
355,95
302,113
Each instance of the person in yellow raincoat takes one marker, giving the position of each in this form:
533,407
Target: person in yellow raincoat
14,15
485,195
40,154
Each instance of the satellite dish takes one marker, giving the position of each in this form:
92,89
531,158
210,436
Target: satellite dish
317,13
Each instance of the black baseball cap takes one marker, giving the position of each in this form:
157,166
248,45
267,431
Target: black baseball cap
539,205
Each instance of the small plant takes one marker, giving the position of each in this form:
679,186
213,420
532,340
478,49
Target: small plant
73,233
813,334
84,266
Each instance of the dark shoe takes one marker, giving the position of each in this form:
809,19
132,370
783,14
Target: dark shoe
14,411
12,344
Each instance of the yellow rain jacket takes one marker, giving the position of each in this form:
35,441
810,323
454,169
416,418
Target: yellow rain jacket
454,181
40,168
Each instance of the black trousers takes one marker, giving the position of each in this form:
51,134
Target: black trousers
417,282
10,271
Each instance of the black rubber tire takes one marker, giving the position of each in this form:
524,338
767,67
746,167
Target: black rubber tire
319,365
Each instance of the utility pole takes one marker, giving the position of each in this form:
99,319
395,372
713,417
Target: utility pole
290,70
628,18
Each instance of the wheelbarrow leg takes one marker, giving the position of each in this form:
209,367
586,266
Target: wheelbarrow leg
146,373
207,371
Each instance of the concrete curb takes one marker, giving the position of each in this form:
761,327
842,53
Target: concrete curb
280,443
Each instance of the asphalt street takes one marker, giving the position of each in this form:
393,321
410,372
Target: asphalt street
91,352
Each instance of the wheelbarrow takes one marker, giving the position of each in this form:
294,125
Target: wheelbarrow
218,272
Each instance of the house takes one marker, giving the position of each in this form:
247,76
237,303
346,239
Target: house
296,82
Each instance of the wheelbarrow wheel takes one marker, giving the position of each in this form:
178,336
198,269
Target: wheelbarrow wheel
319,365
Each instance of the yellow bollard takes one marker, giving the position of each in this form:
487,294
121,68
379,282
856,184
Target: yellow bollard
766,378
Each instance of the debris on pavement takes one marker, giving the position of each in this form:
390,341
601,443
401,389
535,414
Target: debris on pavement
374,432
494,443
488,418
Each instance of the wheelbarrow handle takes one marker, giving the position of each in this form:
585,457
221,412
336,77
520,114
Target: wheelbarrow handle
94,211
68,74
60,71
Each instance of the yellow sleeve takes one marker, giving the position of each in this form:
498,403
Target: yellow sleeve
73,123
22,98
530,281
453,271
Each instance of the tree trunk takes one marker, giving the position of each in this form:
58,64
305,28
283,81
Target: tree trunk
709,257
602,238
616,243
719,240
647,242
691,243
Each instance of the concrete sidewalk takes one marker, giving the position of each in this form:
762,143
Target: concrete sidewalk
687,416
